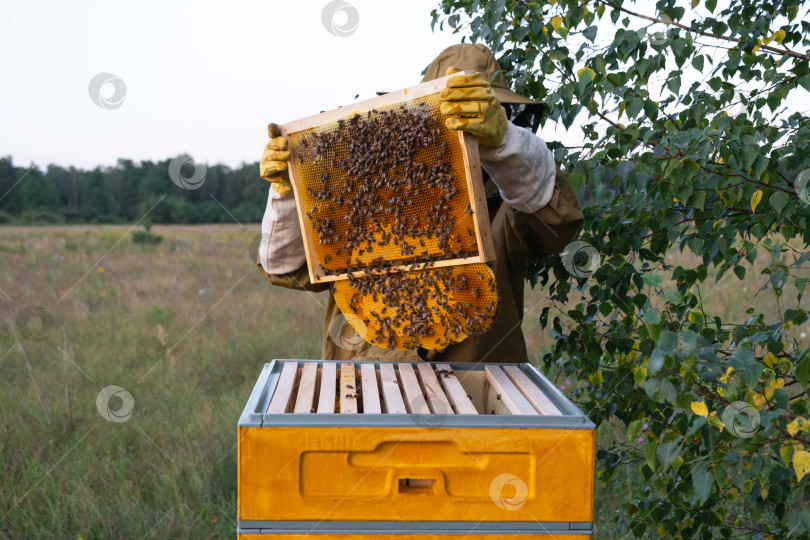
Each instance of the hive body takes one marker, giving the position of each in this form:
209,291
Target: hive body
412,451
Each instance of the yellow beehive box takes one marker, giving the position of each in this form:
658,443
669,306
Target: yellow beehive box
358,450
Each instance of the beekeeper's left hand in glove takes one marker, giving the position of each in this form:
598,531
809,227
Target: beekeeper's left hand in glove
470,105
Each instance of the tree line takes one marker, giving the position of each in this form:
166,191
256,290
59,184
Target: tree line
126,192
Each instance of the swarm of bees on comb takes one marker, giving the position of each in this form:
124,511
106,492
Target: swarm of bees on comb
386,195
429,308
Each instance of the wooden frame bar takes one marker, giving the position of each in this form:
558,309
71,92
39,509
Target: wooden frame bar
348,389
414,399
530,391
371,394
283,394
436,399
508,392
391,391
455,392
306,388
326,397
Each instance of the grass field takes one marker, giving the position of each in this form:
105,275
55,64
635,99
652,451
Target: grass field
184,326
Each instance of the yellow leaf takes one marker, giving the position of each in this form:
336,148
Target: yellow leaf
793,427
786,452
770,360
556,22
600,9
716,422
699,408
755,198
586,72
695,3
596,378
778,36
763,493
778,383
732,493
759,400
801,463
757,46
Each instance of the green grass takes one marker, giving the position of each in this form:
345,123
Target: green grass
185,327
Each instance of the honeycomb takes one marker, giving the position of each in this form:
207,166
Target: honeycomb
381,196
429,308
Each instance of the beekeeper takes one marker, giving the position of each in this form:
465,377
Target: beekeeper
533,210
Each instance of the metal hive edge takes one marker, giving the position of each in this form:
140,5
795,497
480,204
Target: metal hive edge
472,529
254,416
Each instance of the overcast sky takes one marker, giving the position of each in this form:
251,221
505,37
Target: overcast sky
202,78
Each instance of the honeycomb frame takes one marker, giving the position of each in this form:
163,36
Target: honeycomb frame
465,162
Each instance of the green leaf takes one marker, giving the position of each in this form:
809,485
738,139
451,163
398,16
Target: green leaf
803,371
673,296
650,452
804,80
760,164
667,341
702,481
711,5
667,452
779,200
653,280
656,361
590,33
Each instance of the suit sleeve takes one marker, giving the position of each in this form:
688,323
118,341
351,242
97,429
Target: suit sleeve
542,211
281,257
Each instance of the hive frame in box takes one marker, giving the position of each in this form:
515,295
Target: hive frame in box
570,421
472,167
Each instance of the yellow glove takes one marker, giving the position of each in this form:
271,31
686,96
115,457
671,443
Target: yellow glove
470,105
273,163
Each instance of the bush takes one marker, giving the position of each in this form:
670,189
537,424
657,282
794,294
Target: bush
145,236
714,410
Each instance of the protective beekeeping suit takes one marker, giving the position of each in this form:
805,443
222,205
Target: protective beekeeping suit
533,210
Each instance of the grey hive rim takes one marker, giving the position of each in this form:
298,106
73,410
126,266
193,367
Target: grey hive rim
253,414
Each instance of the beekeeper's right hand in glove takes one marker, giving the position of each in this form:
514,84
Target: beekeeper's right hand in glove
273,163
